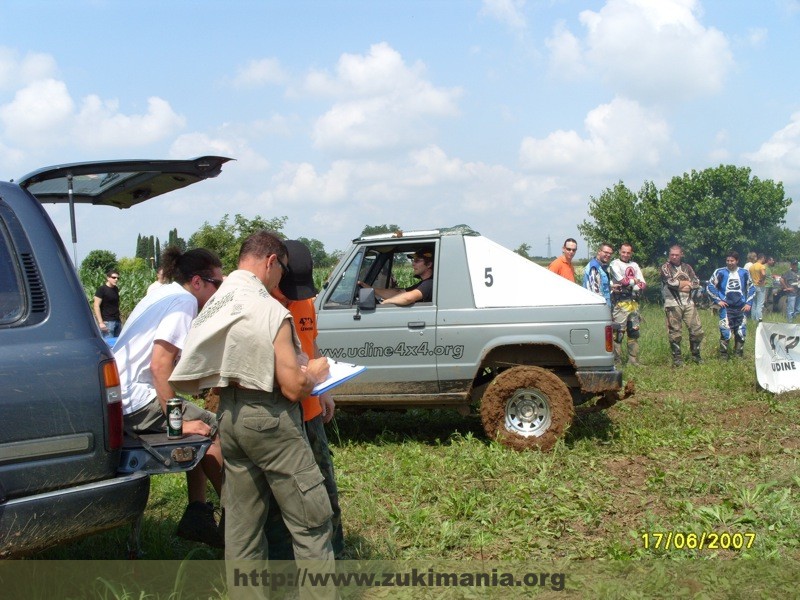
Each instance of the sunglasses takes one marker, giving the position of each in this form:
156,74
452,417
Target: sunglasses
215,282
571,249
114,277
284,266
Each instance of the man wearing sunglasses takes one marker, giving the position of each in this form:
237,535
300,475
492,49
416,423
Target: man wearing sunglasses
595,276
106,305
244,343
562,265
422,291
146,352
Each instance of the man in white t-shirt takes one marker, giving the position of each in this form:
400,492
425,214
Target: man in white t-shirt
146,352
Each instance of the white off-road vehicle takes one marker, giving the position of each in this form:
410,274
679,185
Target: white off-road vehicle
501,334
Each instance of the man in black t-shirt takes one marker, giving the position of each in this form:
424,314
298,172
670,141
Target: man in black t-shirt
106,306
422,265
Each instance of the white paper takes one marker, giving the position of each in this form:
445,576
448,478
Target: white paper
339,373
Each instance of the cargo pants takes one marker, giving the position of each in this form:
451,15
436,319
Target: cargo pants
280,542
266,456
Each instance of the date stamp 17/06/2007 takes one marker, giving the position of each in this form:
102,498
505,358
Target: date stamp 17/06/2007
706,540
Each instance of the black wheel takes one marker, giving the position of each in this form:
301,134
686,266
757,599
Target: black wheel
527,408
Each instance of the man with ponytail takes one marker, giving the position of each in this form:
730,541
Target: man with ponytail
146,352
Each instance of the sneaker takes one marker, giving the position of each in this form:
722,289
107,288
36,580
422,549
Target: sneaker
198,525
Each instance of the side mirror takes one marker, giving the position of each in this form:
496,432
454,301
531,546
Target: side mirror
366,299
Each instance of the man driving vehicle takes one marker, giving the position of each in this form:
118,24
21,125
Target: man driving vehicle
422,291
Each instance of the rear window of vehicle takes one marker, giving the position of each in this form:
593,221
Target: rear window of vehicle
12,297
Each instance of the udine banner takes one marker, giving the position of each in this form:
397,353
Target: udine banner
778,356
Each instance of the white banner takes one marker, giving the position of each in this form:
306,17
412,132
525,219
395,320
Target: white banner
778,356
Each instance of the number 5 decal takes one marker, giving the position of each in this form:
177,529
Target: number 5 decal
488,277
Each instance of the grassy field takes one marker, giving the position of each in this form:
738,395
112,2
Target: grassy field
697,449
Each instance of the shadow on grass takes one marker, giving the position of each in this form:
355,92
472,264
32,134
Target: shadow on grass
592,426
438,427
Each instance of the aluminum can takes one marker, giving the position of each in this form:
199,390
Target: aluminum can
174,418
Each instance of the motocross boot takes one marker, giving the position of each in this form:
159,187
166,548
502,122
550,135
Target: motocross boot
738,348
677,357
695,347
723,349
633,352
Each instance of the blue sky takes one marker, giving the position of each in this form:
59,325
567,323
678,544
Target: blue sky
506,115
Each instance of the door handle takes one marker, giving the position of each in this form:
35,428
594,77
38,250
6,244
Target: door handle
416,324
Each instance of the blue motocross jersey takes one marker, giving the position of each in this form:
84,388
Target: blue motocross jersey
733,287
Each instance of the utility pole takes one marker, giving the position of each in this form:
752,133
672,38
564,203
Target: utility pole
548,247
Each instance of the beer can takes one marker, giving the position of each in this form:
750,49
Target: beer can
174,418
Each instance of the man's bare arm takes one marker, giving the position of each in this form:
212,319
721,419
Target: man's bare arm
404,298
295,382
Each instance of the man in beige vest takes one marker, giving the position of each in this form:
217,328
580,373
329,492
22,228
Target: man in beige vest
243,343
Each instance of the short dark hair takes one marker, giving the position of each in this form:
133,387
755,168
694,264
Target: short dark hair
566,241
111,272
262,244
733,254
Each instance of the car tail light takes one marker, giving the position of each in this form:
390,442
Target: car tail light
609,338
113,395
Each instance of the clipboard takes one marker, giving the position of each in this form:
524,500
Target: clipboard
339,373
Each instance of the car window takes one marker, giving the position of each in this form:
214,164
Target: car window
12,299
381,266
344,289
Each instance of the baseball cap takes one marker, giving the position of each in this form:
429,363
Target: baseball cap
427,254
298,281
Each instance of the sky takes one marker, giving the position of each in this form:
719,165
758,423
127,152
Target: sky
505,115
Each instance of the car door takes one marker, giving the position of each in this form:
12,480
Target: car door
395,343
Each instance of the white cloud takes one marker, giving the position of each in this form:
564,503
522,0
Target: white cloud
508,12
302,183
382,103
620,135
99,124
190,145
566,53
650,51
16,71
38,114
779,157
261,72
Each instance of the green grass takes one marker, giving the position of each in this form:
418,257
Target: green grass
697,449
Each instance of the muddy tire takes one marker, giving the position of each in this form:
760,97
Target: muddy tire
526,408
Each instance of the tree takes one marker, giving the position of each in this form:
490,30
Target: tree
707,212
524,250
99,259
318,254
378,229
225,238
174,240
620,216
713,211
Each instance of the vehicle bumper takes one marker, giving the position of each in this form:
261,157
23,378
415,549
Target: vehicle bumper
598,382
36,522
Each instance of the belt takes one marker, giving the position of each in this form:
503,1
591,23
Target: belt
235,392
